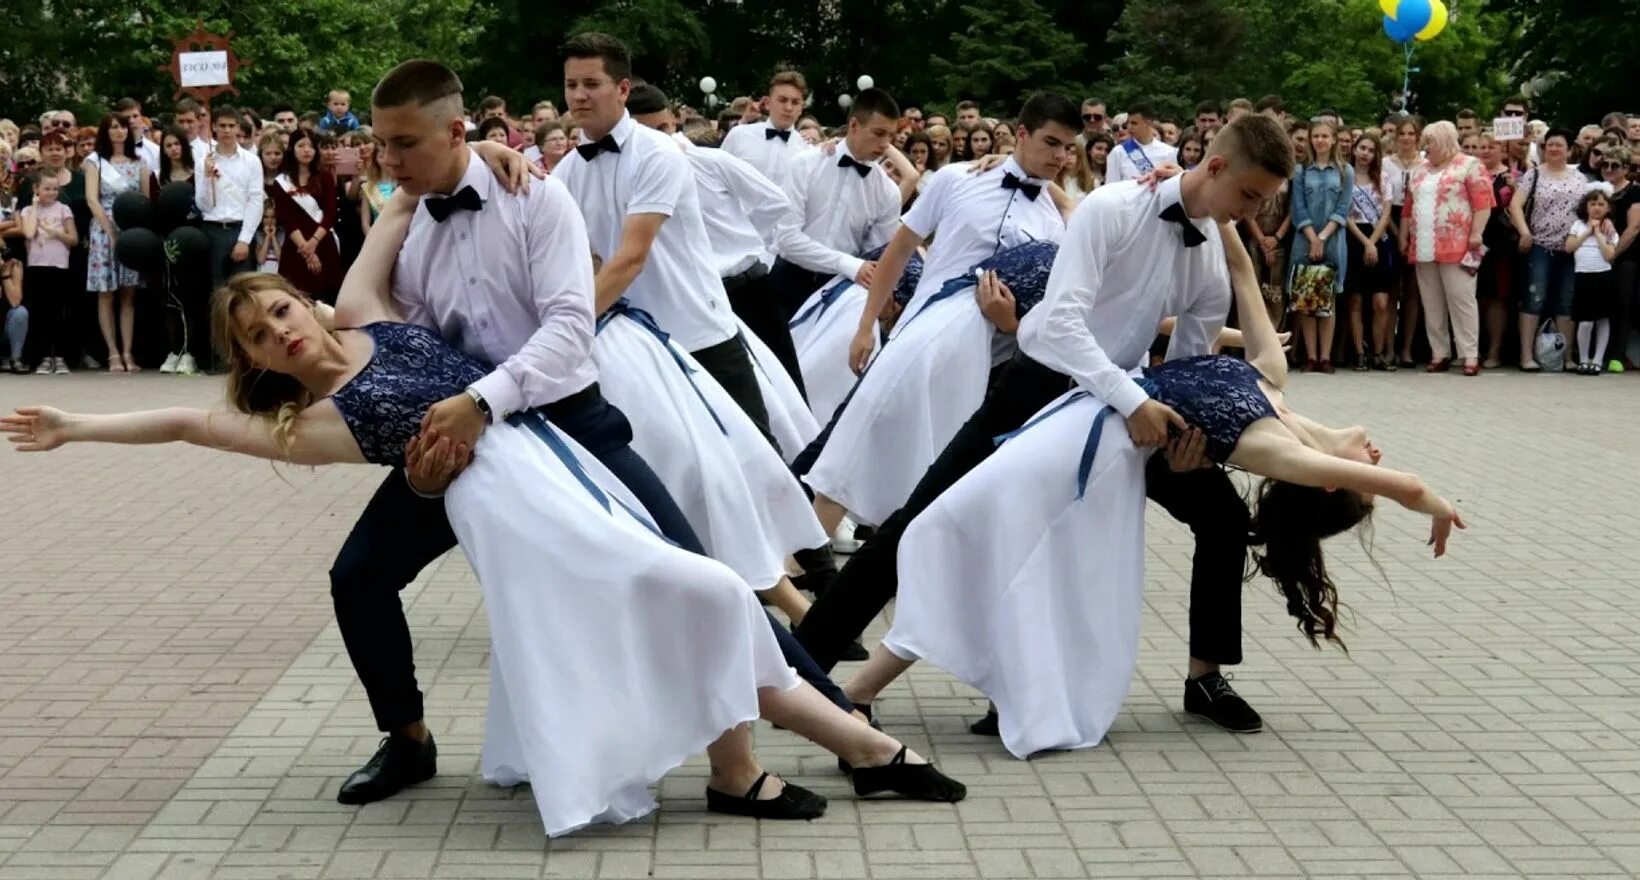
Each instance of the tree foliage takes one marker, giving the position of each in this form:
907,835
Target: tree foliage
1573,57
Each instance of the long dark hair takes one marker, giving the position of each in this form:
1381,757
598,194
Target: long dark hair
289,167
1290,522
187,160
105,143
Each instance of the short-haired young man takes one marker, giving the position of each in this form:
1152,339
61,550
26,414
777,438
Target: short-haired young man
1130,256
771,145
1143,150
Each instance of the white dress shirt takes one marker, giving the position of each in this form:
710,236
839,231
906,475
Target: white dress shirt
235,195
679,284
1120,166
148,152
976,216
741,208
1120,270
835,213
510,285
770,155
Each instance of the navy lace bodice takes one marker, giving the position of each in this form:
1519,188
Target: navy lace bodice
1216,393
1023,268
411,369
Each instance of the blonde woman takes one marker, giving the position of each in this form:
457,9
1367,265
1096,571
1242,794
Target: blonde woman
375,187
1400,158
1448,202
1321,205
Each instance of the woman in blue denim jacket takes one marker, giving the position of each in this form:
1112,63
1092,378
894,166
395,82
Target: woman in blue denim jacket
1321,205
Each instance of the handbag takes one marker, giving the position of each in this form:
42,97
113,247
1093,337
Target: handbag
1313,288
1550,347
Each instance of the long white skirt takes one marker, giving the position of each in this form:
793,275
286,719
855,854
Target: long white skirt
790,421
615,655
923,385
1028,594
743,502
822,348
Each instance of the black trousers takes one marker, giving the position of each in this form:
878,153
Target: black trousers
400,533
792,284
752,296
1626,308
46,295
1206,500
731,365
223,238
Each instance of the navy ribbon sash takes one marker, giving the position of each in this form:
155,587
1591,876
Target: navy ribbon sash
1084,467
538,425
947,290
818,309
647,321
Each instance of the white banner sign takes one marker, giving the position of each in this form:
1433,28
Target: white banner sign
1509,128
204,69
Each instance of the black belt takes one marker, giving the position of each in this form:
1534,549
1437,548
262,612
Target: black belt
735,282
565,405
223,224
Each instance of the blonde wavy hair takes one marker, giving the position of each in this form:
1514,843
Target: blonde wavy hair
252,389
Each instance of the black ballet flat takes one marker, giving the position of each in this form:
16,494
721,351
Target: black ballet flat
854,653
794,802
916,782
990,725
863,709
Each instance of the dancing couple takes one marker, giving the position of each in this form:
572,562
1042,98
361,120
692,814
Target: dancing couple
617,653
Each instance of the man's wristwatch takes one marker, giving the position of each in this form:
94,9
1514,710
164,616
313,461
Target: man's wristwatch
482,404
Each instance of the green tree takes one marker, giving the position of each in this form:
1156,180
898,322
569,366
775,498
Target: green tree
1573,57
1009,49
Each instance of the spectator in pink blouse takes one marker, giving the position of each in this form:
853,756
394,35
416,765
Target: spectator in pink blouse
1448,201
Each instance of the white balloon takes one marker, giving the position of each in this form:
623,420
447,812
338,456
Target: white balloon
865,82
845,101
708,85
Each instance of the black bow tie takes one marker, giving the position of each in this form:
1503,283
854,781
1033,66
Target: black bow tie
605,144
864,168
1013,181
1175,214
771,133
466,199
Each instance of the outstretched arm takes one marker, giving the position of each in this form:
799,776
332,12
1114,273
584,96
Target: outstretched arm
1270,452
367,291
1259,337
317,436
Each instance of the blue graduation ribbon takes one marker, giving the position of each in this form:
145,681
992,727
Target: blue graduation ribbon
1084,468
816,311
647,321
538,425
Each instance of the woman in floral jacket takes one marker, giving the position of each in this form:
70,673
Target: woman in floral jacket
1448,202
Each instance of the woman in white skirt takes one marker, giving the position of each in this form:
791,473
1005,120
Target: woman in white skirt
616,654
1034,597
742,501
790,421
823,328
925,382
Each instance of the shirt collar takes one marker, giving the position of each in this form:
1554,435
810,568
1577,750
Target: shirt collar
478,176
1011,166
622,132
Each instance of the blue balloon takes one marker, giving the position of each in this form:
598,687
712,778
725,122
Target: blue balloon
1398,31
1414,14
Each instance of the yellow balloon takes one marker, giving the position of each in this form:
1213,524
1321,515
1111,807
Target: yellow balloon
1389,6
1437,22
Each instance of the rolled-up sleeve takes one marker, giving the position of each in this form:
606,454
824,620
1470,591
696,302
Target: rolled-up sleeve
1056,333
1301,201
1340,213
561,292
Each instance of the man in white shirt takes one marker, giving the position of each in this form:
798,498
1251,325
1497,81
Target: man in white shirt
191,117
741,209
771,145
129,113
842,205
1143,151
644,221
228,191
505,277
1131,256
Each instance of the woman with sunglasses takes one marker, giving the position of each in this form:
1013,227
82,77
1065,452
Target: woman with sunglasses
1618,169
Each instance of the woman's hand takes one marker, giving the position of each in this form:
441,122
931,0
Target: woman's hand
313,263
986,163
1441,523
36,428
432,467
1153,178
1369,255
509,166
1267,245
996,302
1317,250
1475,238
1526,242
860,349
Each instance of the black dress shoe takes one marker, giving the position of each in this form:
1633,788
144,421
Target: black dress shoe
1212,698
987,726
855,652
917,782
400,762
794,802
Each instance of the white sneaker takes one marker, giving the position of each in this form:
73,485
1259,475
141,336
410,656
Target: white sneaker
170,365
45,367
186,366
62,367
842,540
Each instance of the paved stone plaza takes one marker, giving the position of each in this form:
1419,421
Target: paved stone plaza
175,701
